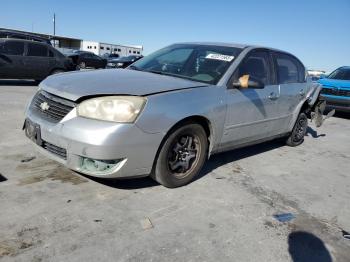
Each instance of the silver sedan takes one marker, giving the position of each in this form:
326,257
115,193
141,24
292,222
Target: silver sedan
167,113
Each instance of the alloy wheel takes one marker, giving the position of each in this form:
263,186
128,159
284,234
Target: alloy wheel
183,155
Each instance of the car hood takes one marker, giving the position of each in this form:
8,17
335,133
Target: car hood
75,85
326,82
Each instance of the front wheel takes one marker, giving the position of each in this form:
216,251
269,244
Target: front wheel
181,156
299,131
82,65
57,71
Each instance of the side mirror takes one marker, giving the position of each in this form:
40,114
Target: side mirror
247,81
322,76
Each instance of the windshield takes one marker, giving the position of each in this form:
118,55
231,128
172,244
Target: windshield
341,74
203,63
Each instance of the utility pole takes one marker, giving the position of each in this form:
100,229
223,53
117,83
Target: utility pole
54,24
54,29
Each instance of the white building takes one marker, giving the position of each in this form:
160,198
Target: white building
315,72
104,48
67,44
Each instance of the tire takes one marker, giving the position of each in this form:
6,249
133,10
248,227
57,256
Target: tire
181,156
56,71
299,130
82,65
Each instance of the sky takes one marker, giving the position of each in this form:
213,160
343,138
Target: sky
317,32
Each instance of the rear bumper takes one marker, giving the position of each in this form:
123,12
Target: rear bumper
339,103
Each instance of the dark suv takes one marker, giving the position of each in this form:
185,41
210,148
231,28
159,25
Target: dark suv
5,33
25,59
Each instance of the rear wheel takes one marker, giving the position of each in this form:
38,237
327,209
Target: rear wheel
182,156
299,131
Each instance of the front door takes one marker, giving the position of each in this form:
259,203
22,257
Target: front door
251,112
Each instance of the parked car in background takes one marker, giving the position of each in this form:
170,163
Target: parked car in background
336,89
315,74
24,59
167,113
83,59
110,56
123,62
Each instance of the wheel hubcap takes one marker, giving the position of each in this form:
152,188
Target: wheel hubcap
300,129
183,155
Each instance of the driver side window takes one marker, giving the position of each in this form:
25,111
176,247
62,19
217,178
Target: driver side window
256,66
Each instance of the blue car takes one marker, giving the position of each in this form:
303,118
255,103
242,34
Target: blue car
336,89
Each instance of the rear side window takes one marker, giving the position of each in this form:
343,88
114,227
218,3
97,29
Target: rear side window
289,69
12,48
36,50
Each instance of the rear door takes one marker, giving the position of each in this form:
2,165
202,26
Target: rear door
53,60
12,60
251,113
36,61
292,83
87,59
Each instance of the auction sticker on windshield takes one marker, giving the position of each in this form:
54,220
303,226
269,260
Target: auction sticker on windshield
226,58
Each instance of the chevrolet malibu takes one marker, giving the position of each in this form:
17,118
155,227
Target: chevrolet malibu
167,113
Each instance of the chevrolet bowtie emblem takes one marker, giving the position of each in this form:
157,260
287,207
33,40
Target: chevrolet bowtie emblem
44,106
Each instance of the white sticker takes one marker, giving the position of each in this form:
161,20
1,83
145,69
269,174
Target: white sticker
226,58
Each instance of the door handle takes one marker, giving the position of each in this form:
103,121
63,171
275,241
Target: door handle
273,96
302,92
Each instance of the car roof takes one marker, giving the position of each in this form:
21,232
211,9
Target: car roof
236,45
22,40
81,51
215,44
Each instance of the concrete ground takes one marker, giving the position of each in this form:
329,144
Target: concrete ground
49,213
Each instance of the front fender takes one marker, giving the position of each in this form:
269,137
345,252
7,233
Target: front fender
164,110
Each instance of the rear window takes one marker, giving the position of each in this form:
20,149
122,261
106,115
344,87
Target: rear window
36,50
289,69
12,48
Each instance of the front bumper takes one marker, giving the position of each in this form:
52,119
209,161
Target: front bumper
83,138
339,103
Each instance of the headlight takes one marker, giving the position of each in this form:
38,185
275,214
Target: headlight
121,109
110,64
120,64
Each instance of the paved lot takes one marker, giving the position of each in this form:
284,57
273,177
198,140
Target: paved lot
49,213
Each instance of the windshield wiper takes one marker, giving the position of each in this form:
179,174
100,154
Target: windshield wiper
157,72
135,68
174,75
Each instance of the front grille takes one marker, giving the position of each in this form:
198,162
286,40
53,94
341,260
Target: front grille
52,107
335,92
58,151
